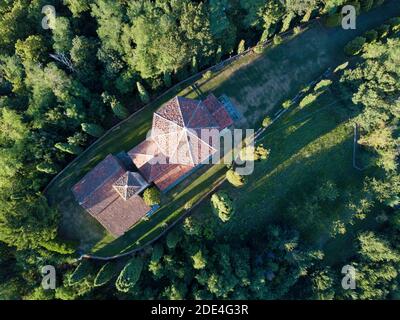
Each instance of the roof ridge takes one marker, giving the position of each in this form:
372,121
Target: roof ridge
189,146
194,112
202,140
108,178
166,120
180,110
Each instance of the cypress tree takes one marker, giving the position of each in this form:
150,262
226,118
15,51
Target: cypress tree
144,96
93,129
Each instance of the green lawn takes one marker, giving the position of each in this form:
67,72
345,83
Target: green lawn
257,84
309,146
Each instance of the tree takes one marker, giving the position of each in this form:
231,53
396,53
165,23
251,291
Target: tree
46,167
267,122
56,245
272,14
94,130
83,58
152,196
307,100
354,46
107,272
241,47
377,269
31,50
199,261
173,237
27,222
167,79
129,275
222,27
322,84
222,205
144,96
277,40
77,7
119,110
234,178
62,35
251,153
287,104
323,285
68,148
191,226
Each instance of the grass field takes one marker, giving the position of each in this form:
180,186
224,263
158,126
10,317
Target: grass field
257,84
308,146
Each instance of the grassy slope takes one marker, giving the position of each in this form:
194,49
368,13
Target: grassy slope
257,84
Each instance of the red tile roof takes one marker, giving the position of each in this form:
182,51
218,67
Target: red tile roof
96,193
176,138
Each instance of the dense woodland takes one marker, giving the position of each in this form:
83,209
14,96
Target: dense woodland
117,56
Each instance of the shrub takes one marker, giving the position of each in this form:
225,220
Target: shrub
322,84
241,47
117,108
208,75
105,274
68,148
234,178
167,79
251,153
82,271
371,35
222,205
158,252
307,100
343,66
173,238
199,262
59,247
129,275
259,49
277,39
297,30
287,104
92,129
266,122
144,96
354,46
261,153
45,167
151,196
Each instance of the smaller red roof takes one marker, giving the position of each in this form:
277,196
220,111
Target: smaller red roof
102,193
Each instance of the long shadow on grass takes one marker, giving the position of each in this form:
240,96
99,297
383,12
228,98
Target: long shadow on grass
285,173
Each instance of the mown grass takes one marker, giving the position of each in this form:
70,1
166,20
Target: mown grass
309,146
257,84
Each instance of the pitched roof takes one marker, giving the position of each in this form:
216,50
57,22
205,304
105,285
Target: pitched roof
108,169
115,210
176,143
129,184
